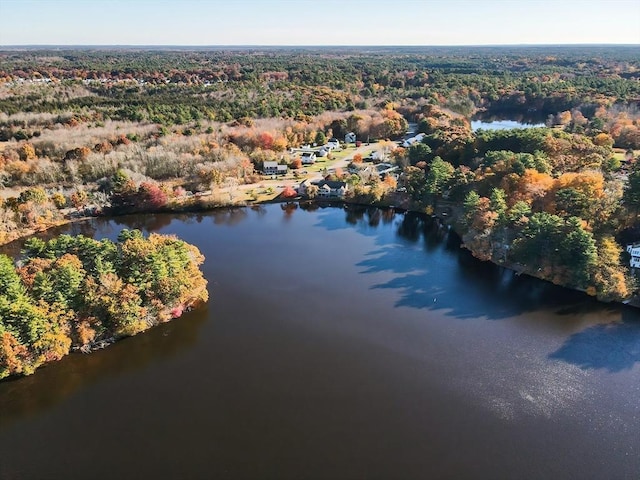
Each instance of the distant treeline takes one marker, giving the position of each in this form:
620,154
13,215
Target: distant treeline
177,87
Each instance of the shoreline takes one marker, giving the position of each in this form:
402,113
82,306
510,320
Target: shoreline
202,206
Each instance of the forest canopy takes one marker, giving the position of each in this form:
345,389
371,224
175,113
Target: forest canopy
72,293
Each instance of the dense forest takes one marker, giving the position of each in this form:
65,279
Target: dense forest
76,293
105,130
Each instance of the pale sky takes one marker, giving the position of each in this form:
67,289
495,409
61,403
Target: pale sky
315,22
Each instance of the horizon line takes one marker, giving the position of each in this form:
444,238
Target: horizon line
160,45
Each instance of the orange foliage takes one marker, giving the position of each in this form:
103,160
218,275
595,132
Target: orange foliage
13,355
280,144
84,332
289,192
532,186
30,270
591,183
390,182
27,152
603,140
79,199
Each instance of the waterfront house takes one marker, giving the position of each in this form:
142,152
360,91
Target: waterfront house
634,250
326,188
273,168
334,189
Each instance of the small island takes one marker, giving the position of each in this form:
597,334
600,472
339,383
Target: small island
79,294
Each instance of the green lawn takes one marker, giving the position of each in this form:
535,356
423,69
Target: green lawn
619,153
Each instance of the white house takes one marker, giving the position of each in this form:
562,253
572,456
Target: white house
308,158
410,141
326,188
634,251
273,168
350,138
333,143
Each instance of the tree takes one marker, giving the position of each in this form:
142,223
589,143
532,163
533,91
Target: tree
603,139
471,202
572,202
151,195
418,152
414,179
59,200
610,279
557,250
312,191
631,194
27,152
519,214
498,203
79,199
289,192
440,172
578,253
265,141
321,138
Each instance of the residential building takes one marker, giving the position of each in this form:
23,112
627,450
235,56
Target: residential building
333,143
273,168
410,141
308,158
634,251
326,188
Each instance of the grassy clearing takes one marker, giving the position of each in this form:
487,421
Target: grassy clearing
620,153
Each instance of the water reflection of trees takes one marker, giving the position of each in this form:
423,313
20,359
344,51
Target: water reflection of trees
54,383
288,209
259,210
613,347
432,230
87,228
463,286
228,216
145,222
371,216
309,206
498,114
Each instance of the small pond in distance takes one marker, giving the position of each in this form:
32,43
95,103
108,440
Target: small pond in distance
504,121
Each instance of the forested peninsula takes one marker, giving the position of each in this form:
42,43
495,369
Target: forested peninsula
108,131
77,293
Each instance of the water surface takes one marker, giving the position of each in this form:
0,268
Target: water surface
340,344
501,124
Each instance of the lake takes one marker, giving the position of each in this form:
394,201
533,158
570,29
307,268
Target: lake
487,121
339,344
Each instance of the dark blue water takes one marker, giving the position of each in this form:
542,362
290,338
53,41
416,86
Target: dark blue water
340,344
